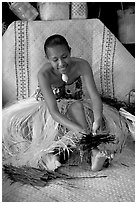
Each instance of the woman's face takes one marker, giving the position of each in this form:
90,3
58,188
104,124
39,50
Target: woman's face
59,57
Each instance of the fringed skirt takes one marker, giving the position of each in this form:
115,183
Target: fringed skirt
30,133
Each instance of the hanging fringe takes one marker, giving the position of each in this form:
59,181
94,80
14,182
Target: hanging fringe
30,135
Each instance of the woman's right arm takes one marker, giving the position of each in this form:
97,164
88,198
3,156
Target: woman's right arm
52,104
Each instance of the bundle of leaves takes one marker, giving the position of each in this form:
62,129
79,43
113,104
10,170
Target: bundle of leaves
32,176
85,144
89,141
36,177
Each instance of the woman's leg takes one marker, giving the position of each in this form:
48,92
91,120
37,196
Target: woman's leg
76,113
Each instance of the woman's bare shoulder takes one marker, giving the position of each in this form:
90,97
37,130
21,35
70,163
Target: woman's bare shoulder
81,65
45,69
80,62
44,73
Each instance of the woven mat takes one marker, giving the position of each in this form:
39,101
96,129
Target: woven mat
23,55
113,184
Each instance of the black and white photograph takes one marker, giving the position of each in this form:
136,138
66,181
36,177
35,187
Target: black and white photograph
68,101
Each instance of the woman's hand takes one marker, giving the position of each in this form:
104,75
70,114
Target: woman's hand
97,124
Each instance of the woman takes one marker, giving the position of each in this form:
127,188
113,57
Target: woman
57,116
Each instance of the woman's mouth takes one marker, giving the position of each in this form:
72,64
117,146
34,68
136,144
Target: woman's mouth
62,69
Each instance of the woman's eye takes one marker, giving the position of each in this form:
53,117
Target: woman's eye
55,60
64,57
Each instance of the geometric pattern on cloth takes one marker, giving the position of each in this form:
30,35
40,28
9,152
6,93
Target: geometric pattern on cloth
107,64
23,55
78,10
22,60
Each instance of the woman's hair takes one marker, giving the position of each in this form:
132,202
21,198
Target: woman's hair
54,40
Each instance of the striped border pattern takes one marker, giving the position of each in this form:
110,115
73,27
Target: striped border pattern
22,60
107,64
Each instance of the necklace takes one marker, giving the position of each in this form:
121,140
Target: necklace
64,78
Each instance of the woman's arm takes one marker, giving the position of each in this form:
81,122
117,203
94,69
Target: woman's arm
52,104
94,95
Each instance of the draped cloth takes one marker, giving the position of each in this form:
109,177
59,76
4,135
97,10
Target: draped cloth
23,55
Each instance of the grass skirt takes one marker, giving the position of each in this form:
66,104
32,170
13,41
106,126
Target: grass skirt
30,133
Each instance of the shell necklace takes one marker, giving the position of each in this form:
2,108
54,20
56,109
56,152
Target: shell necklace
64,78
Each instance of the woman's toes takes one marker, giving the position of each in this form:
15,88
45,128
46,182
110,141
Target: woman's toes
98,161
51,162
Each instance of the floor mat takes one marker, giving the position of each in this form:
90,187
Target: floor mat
113,184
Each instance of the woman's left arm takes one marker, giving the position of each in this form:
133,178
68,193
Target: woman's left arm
94,95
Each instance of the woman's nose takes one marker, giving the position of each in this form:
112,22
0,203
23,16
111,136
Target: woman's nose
61,63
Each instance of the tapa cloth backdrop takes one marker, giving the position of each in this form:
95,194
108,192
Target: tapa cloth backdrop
23,55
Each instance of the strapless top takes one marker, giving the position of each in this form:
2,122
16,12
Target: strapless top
66,91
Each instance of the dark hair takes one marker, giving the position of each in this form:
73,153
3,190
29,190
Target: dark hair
54,40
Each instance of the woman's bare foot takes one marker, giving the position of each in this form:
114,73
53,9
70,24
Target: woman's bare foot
98,159
51,162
